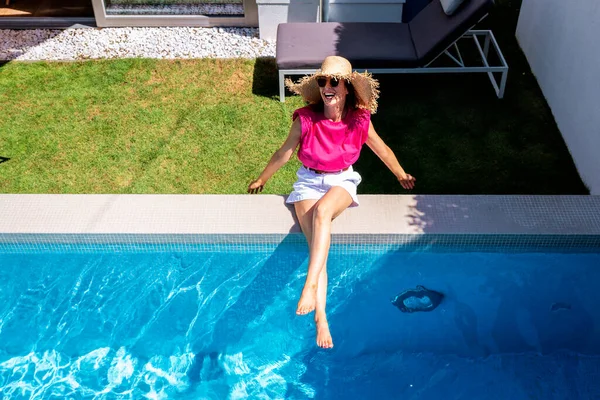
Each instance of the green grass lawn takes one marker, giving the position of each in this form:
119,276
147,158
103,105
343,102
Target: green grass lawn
210,126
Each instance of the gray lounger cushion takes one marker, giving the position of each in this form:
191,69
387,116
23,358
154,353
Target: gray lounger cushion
433,31
412,8
365,45
377,45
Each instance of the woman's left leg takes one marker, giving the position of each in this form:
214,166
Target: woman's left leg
335,201
304,213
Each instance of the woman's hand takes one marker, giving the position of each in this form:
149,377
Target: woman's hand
256,186
407,181
279,158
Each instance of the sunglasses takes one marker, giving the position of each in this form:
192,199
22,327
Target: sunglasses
332,81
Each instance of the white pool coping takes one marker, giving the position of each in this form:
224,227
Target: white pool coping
268,214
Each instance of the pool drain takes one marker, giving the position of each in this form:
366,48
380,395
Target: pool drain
419,299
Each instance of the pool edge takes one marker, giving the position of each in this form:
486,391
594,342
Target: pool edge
467,219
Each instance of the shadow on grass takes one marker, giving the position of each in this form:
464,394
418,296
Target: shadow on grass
265,80
3,63
456,137
4,159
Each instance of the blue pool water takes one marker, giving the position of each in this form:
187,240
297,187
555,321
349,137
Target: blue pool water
221,324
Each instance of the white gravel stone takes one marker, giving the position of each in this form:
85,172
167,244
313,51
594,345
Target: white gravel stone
107,43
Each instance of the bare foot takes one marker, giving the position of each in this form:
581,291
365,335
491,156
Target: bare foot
324,339
308,300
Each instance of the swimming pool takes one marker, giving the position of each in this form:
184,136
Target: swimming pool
217,321
186,296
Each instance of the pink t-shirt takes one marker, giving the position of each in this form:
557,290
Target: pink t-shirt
331,146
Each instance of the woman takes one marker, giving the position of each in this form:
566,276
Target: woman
330,131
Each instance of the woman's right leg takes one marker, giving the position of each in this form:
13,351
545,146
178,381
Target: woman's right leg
304,213
332,204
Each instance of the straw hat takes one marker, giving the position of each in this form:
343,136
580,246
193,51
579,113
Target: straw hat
365,87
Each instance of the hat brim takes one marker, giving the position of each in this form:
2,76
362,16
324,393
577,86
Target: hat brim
366,88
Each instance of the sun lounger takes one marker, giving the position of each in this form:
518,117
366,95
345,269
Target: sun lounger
392,47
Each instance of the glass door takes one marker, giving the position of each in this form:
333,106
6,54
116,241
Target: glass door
175,13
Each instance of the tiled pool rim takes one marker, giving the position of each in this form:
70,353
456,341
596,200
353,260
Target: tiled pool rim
181,222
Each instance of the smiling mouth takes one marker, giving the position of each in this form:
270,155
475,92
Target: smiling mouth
329,95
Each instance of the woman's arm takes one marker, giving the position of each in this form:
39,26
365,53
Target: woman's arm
388,157
279,158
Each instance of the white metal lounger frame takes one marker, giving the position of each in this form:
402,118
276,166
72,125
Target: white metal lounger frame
488,39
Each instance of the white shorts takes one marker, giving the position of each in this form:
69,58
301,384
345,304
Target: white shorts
313,186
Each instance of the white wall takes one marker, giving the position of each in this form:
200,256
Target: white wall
561,40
